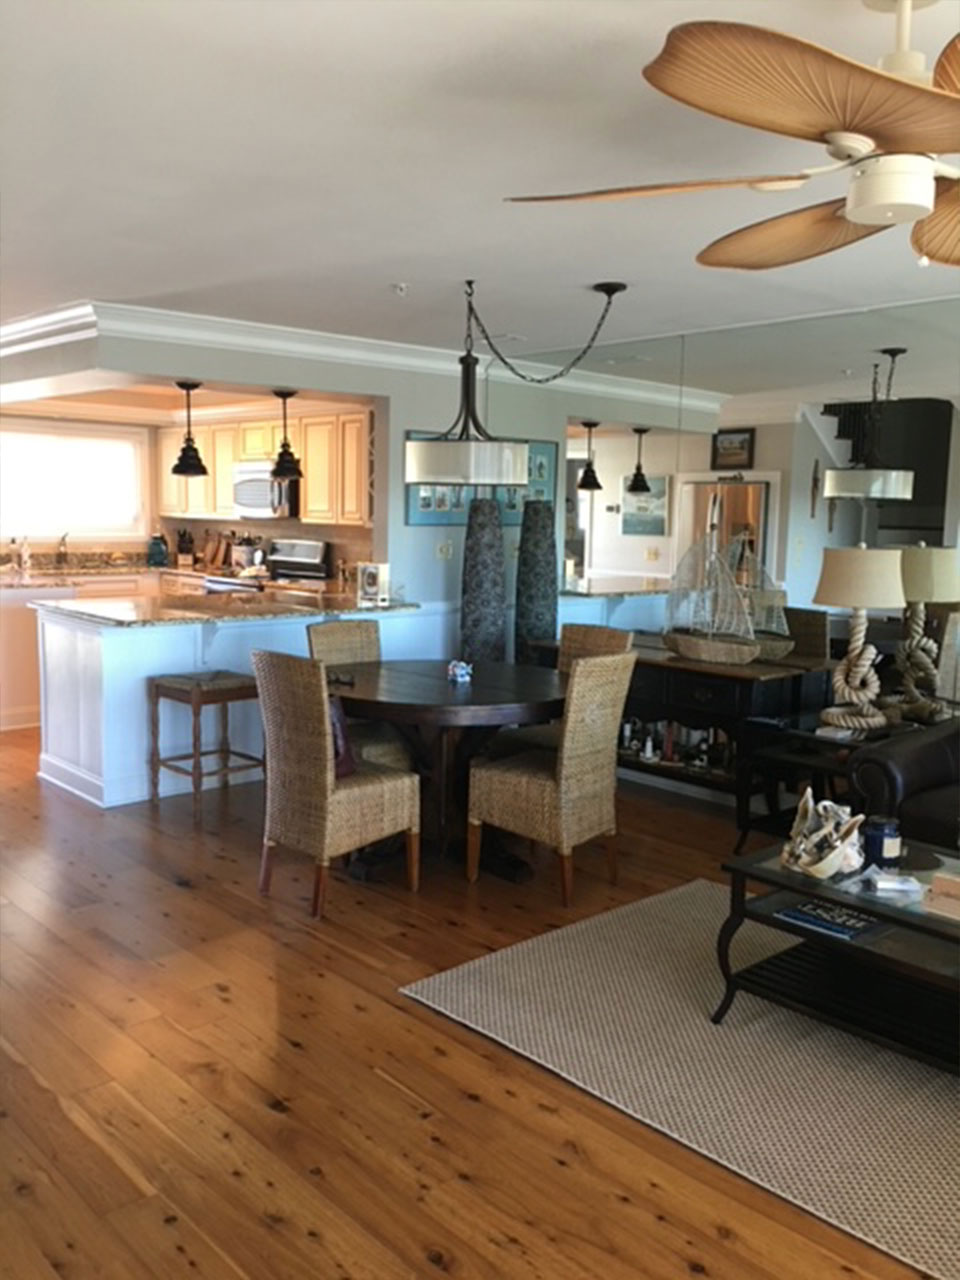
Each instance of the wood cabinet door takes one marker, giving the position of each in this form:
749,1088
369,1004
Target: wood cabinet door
171,489
321,470
222,456
256,440
200,488
354,469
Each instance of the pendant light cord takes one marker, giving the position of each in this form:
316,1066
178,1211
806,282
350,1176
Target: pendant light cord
473,315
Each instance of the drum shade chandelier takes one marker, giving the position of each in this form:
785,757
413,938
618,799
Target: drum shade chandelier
466,453
589,481
286,467
189,463
638,481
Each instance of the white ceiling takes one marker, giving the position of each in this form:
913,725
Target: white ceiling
286,161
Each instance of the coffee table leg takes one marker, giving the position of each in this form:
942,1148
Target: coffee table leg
724,938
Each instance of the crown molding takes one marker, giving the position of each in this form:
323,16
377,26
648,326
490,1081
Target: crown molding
120,321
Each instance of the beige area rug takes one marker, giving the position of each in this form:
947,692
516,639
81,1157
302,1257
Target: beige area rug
620,1005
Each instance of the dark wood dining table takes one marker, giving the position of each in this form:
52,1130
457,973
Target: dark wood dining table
446,723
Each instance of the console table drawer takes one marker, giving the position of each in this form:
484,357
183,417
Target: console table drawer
648,684
699,693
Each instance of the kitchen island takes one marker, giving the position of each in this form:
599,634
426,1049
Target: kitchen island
96,656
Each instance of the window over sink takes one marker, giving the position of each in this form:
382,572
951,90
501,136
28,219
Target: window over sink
85,482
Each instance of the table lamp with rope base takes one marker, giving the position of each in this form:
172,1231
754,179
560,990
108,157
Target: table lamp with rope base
931,575
858,579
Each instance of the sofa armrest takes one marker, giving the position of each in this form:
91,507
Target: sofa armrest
884,774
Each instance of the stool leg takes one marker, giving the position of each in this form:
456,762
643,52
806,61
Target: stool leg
224,741
197,707
154,744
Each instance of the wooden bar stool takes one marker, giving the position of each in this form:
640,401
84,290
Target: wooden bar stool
197,690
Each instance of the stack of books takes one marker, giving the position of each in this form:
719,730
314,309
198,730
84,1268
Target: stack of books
828,917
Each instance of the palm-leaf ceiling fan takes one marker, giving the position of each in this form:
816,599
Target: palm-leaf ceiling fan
888,126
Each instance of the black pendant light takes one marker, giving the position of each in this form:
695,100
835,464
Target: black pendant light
189,463
588,477
638,481
286,466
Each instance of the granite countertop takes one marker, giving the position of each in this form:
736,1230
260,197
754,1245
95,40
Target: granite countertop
148,611
616,585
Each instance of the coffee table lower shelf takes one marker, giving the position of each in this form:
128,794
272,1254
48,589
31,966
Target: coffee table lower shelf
877,1003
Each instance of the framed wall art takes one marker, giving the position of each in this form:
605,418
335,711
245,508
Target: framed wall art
646,515
732,450
447,504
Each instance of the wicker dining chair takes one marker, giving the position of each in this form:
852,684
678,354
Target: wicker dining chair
308,808
565,797
339,643
577,640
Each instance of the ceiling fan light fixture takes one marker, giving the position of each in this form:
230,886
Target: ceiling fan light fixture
887,190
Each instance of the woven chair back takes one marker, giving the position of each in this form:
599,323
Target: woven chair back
596,691
583,640
295,707
337,643
810,630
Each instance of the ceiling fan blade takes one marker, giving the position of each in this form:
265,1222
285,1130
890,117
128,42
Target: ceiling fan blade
938,235
775,181
946,71
777,82
792,237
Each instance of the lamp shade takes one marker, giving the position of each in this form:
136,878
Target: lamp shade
867,482
931,574
860,578
466,462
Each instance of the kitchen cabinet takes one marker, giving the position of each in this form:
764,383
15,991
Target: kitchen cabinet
261,440
223,455
336,467
98,586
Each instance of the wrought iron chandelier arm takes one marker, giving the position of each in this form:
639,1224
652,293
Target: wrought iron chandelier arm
610,290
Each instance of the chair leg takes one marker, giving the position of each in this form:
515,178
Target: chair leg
266,867
154,744
224,743
413,861
320,880
197,706
474,838
566,876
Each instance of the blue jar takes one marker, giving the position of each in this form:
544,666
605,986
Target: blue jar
881,842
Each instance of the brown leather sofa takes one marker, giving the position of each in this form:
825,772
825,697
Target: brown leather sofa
915,777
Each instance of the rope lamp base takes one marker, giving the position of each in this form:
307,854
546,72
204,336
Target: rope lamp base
855,683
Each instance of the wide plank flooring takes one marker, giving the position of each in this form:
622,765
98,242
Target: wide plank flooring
198,1082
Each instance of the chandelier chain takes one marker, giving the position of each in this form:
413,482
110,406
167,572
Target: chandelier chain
473,314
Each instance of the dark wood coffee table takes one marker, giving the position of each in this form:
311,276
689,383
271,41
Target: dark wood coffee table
898,983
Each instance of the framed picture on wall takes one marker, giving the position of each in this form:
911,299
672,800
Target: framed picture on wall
448,504
733,450
646,515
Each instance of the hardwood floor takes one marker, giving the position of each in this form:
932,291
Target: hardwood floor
198,1082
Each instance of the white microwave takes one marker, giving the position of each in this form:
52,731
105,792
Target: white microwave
257,496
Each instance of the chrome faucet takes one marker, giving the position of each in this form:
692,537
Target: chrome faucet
61,556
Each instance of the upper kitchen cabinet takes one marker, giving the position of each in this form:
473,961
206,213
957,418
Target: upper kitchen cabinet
336,468
223,455
261,440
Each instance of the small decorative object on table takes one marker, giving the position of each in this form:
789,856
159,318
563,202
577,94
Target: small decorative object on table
460,672
881,842
824,840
